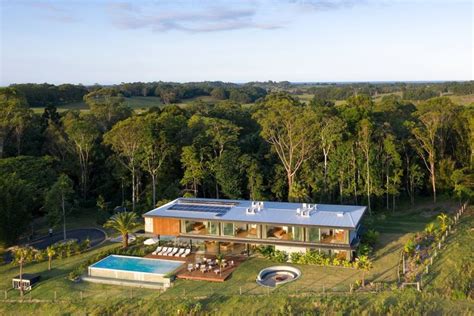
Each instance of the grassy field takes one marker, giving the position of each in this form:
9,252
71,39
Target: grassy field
395,229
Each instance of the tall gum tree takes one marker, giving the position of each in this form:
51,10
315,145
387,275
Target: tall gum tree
125,138
289,127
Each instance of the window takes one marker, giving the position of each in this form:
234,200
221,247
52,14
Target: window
297,233
334,236
313,234
213,228
228,229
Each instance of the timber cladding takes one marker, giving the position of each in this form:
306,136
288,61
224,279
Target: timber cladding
166,226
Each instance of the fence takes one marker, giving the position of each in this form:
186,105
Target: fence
424,274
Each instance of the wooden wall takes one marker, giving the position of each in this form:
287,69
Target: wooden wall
166,226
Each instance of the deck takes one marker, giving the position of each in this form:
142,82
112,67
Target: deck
183,273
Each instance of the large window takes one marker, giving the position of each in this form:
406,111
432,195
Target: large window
228,229
334,236
284,232
200,227
297,233
246,230
313,234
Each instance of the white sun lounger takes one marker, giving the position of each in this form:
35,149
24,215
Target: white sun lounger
172,252
180,252
164,250
158,249
186,253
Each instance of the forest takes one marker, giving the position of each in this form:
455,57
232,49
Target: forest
370,144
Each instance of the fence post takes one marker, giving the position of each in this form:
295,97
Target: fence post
240,290
6,294
418,286
431,259
55,295
426,269
81,295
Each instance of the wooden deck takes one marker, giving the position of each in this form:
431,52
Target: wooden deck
193,258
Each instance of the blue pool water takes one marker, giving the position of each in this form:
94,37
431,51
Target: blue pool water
136,264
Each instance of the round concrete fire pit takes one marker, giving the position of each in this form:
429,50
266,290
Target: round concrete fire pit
277,275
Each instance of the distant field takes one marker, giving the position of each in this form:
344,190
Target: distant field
136,103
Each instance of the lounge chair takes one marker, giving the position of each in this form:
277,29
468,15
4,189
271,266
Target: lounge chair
186,252
180,252
172,252
164,250
157,250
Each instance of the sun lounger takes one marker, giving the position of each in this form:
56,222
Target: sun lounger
158,249
164,250
180,252
186,253
172,252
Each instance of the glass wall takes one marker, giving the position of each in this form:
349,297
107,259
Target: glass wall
228,229
284,232
312,234
334,236
199,227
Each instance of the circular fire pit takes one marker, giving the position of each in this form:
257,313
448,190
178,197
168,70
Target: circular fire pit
277,275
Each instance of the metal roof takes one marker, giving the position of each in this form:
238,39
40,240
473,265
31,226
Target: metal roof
329,215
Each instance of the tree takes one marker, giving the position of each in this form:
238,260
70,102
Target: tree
289,128
364,264
125,138
50,252
16,198
23,255
107,105
194,171
159,142
82,133
56,201
330,133
425,143
14,114
365,144
124,223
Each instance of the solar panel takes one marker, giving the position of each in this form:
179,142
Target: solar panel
200,208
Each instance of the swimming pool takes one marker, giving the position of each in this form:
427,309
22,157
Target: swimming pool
134,268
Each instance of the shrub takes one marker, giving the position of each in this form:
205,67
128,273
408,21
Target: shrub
409,247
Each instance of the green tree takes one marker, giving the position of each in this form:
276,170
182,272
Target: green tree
364,264
22,256
16,197
194,171
82,133
57,200
125,138
365,144
124,223
14,115
289,128
107,105
50,252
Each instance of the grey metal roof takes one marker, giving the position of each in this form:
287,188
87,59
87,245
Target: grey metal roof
347,216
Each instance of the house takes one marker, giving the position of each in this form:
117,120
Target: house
235,226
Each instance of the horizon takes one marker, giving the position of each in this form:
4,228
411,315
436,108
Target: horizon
341,41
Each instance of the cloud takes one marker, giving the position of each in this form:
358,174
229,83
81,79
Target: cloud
325,5
188,19
53,12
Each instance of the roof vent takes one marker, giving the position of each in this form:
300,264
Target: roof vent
254,208
305,210
340,214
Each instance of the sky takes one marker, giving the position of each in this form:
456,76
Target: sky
110,42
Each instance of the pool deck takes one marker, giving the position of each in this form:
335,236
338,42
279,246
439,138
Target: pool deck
183,273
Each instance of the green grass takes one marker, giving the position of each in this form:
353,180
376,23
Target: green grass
394,228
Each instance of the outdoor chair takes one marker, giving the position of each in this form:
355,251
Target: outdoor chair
172,252
157,250
180,252
163,250
186,253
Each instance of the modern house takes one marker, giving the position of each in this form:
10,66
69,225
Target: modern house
220,225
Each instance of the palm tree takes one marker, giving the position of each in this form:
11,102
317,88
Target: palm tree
51,252
364,264
22,256
124,223
220,259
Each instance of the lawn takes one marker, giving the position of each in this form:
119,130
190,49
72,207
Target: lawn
395,229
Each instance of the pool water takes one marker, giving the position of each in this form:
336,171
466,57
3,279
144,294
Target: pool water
135,264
